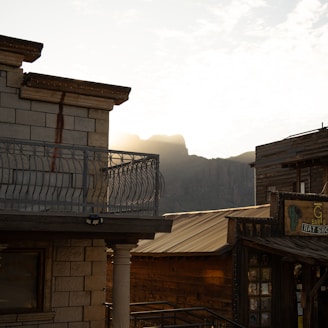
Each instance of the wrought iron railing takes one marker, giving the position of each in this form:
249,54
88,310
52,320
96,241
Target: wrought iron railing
51,177
164,314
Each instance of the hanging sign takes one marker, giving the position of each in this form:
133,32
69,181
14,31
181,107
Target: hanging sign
306,218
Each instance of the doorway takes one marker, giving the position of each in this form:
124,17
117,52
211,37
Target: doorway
311,285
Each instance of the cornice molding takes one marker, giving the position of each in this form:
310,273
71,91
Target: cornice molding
28,51
91,93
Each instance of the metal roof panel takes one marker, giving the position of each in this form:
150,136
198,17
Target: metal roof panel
197,232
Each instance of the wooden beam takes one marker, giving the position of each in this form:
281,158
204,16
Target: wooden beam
40,225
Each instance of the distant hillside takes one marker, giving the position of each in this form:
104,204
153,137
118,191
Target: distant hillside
194,183
247,157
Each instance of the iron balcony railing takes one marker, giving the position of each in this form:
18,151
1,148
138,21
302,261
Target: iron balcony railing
51,177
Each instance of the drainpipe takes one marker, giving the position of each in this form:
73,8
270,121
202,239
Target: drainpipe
121,285
59,131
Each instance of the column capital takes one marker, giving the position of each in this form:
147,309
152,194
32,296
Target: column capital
120,246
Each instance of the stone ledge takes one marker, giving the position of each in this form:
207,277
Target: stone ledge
11,59
115,93
24,317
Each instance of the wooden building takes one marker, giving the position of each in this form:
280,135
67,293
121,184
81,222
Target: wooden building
298,163
259,266
65,198
282,263
193,266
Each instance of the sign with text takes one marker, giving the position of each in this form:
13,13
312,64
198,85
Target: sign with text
306,218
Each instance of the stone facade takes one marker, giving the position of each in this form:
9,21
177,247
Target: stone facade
37,120
79,275
74,277
53,258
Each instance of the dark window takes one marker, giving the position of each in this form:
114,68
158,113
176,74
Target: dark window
259,290
21,280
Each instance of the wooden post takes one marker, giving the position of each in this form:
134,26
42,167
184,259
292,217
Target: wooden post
306,296
298,179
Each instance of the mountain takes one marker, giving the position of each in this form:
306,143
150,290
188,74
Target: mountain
194,183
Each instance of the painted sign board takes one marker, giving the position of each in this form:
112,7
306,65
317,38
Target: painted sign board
306,218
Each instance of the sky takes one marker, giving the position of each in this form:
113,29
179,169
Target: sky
227,75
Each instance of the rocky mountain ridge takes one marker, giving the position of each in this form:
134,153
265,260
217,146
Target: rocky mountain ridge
194,183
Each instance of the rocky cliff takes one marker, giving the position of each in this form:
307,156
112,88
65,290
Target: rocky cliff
193,183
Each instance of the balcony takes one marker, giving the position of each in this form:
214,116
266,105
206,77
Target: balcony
45,177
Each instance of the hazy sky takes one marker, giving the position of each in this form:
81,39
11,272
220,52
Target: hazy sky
226,74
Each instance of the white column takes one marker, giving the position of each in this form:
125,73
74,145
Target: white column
121,285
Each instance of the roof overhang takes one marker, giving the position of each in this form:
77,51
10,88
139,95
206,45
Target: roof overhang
114,229
219,252
301,249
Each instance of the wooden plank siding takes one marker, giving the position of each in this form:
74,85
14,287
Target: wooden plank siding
286,163
187,281
193,266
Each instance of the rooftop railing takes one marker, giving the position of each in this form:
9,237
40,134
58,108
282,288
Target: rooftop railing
64,178
256,227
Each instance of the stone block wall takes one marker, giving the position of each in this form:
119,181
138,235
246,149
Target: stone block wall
36,120
79,277
75,270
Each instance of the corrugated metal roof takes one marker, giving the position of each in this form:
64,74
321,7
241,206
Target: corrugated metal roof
198,232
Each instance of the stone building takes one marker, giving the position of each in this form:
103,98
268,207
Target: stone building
65,198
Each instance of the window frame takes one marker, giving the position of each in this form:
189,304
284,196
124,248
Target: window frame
37,278
44,310
259,299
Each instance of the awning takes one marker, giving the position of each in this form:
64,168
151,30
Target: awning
303,249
